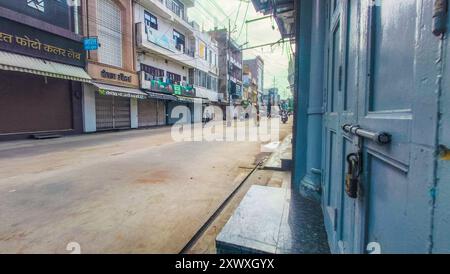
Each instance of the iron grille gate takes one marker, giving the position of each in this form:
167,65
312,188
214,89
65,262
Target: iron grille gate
112,112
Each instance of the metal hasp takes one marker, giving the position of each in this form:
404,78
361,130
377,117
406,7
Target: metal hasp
381,138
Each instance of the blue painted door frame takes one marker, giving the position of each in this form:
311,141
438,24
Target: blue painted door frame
441,213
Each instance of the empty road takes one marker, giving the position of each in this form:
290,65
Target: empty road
123,192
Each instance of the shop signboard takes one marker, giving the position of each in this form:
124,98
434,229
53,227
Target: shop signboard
90,43
26,40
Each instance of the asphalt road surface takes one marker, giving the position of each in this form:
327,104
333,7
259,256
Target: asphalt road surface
124,192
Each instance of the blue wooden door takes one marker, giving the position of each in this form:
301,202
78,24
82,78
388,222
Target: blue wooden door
341,104
380,77
338,109
397,96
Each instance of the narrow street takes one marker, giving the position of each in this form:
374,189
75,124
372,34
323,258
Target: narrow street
123,192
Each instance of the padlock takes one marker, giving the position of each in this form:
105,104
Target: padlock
351,179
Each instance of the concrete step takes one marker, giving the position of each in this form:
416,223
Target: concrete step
274,221
46,136
281,158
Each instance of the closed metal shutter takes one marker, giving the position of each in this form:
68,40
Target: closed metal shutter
112,112
161,112
109,22
122,117
104,112
28,104
148,115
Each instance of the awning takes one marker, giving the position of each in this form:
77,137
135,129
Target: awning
206,101
160,96
191,100
21,63
111,90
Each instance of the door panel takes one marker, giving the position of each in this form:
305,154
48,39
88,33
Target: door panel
395,198
333,150
343,86
393,51
347,220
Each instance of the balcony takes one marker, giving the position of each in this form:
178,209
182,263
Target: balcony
176,8
163,44
165,87
170,10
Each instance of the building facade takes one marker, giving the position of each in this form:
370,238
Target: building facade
42,69
371,122
174,59
111,100
256,68
250,91
230,68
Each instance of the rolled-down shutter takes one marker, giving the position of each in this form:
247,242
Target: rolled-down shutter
122,115
104,112
161,112
112,112
147,110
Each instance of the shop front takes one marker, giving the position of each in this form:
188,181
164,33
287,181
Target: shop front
111,101
41,76
153,111
167,103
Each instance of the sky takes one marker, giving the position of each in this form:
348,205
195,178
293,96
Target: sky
211,13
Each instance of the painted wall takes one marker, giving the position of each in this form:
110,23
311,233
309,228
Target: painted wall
134,113
89,115
206,93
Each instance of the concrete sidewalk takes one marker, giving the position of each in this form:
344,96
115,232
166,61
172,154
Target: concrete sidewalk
300,228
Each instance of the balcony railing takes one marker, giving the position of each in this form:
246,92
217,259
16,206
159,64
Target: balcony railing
176,8
165,87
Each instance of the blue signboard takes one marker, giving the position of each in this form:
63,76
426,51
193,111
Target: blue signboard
90,43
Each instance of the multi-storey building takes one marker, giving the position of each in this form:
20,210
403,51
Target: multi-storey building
174,57
250,84
147,59
42,67
111,101
230,68
256,68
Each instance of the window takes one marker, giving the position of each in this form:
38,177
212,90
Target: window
179,38
192,76
152,73
173,78
202,50
150,21
109,18
209,82
176,7
37,4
